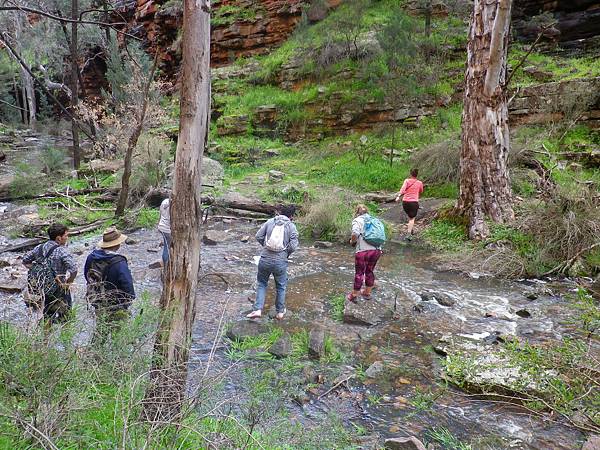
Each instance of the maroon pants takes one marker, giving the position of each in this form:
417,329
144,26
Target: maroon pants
364,264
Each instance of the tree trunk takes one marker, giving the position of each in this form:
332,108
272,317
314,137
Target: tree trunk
484,181
167,390
74,86
428,14
29,96
132,143
27,86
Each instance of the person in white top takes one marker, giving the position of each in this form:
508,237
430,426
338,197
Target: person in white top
164,227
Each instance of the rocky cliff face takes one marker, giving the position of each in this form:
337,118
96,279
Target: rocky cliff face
577,22
239,27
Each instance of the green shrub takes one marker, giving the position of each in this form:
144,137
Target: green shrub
446,235
53,161
328,218
27,181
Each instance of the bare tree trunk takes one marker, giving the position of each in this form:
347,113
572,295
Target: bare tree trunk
29,96
165,396
74,85
428,14
132,143
484,181
27,86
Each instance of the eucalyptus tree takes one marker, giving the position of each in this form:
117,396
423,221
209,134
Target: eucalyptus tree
484,181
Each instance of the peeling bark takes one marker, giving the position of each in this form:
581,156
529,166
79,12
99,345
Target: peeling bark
166,393
484,180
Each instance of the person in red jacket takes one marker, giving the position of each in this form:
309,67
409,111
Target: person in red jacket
412,188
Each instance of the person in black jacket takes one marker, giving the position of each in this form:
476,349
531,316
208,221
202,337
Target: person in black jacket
110,284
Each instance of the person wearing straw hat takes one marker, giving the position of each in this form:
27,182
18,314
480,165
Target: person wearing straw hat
109,280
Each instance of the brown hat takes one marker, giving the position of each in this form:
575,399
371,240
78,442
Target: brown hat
111,238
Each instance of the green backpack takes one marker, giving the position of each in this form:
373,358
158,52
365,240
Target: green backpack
374,232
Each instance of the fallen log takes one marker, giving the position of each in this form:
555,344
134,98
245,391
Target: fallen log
378,197
30,243
26,245
249,205
67,193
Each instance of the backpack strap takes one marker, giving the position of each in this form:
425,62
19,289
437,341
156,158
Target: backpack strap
113,260
47,255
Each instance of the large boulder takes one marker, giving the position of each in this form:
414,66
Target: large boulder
282,347
212,172
404,443
243,329
316,343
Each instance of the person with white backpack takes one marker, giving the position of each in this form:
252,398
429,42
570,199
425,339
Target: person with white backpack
279,239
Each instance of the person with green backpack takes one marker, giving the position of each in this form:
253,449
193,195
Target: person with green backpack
368,237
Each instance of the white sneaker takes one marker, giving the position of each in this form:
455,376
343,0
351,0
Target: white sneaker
254,314
279,316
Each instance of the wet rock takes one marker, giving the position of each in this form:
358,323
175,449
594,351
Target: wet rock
442,299
10,288
270,152
131,241
531,295
365,312
494,338
523,313
316,343
212,237
423,307
502,315
593,443
5,263
243,329
404,443
310,375
275,176
323,244
282,347
375,369
245,239
152,250
155,265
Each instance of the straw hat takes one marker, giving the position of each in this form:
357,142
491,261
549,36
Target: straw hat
111,238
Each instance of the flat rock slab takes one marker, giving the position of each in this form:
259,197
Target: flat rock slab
212,237
366,312
406,443
238,331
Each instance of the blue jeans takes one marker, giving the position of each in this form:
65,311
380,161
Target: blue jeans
267,267
166,243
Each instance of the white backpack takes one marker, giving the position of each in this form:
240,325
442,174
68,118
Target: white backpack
275,240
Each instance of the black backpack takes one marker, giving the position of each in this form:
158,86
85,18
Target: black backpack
42,286
99,292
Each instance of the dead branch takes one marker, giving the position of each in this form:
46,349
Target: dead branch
335,386
564,266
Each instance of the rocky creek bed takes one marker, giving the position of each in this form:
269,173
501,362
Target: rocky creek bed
388,378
